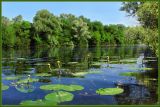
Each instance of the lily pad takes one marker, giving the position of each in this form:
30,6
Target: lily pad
38,102
12,78
27,80
25,88
4,87
62,87
128,60
129,73
72,63
145,69
43,74
59,96
85,73
109,91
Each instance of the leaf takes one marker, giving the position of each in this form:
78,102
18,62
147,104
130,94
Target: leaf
59,96
43,74
62,87
109,91
25,88
12,78
4,87
38,102
88,72
129,73
27,80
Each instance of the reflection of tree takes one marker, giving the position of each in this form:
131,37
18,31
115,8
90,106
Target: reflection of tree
136,94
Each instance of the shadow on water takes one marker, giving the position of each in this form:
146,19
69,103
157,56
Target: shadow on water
68,65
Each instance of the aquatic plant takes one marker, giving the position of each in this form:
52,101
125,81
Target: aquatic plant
38,102
12,78
109,91
61,87
130,60
79,74
129,73
25,88
27,80
59,96
4,87
43,74
144,69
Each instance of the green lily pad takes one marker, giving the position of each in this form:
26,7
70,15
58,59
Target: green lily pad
12,78
4,87
62,87
25,88
72,63
145,69
59,96
27,80
43,74
129,73
109,91
38,102
128,60
85,73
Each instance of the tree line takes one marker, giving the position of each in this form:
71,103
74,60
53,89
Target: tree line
67,29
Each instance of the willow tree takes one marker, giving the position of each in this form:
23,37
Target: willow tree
47,28
80,32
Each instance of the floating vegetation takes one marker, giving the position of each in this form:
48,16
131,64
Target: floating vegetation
27,80
144,69
61,87
38,102
4,87
109,91
97,64
59,96
25,88
43,74
132,60
72,63
129,73
12,78
79,74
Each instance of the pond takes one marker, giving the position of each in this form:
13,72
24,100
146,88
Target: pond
102,75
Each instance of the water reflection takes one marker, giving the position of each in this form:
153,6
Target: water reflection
139,89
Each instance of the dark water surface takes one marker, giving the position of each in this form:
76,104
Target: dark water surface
141,89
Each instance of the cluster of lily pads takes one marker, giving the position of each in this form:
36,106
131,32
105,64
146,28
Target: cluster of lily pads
60,94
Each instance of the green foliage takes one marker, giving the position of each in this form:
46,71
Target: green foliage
109,91
59,96
61,87
47,27
4,87
147,15
38,102
129,73
135,35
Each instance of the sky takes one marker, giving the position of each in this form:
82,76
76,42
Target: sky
106,12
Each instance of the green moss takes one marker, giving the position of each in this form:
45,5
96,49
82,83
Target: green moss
109,91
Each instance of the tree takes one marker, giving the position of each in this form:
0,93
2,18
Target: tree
80,32
47,27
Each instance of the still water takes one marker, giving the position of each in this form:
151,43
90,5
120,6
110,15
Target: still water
109,61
